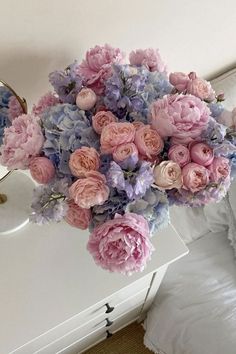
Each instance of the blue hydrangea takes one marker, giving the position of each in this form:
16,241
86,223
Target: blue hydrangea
216,109
5,95
66,129
67,83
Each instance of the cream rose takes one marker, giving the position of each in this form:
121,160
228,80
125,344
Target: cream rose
168,175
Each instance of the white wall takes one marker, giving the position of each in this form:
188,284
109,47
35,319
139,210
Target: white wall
38,36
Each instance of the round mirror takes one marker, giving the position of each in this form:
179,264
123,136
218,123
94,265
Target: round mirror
15,188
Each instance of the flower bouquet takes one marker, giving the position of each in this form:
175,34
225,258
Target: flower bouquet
115,144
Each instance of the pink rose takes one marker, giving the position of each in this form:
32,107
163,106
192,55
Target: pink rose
46,101
90,191
22,141
124,151
179,81
219,169
101,119
168,175
42,169
77,216
202,154
181,116
137,124
14,108
195,177
96,68
148,142
84,160
150,58
86,99
121,244
115,134
200,88
179,154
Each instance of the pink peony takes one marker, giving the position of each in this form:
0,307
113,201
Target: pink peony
96,68
86,99
101,119
179,154
219,169
77,216
168,175
122,244
124,151
46,101
84,160
180,116
195,177
179,81
22,141
115,134
202,154
42,169
90,191
200,88
148,142
150,58
14,108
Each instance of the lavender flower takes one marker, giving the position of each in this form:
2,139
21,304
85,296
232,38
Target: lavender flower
116,204
66,129
49,202
154,207
135,183
67,83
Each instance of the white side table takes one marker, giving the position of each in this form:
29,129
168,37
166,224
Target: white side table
54,299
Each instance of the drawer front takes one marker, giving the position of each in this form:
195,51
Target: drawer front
99,323
99,335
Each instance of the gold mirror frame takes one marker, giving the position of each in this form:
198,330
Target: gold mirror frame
23,104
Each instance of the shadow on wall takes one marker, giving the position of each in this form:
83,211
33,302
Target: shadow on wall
27,72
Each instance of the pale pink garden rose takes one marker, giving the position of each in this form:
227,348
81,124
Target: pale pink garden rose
90,191
42,170
84,160
86,99
195,177
200,88
122,244
148,142
22,141
219,169
115,134
168,175
183,117
77,216
179,80
46,101
124,151
137,124
96,68
179,154
150,58
102,119
201,153
14,108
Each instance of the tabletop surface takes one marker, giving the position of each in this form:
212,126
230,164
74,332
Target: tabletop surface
47,276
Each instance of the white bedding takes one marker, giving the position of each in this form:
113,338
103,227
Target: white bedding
195,310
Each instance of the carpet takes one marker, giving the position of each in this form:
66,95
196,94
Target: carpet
129,340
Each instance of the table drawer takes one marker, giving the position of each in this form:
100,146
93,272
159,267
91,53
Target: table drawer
99,322
99,335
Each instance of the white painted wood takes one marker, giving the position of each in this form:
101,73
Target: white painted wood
48,280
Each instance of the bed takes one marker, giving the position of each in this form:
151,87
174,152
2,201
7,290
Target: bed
195,310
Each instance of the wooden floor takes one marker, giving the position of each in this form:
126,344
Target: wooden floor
127,341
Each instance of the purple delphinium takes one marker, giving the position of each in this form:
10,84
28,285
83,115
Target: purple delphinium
49,202
154,207
67,83
116,204
134,182
66,129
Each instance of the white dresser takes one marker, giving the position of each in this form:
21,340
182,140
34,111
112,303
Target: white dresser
54,299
